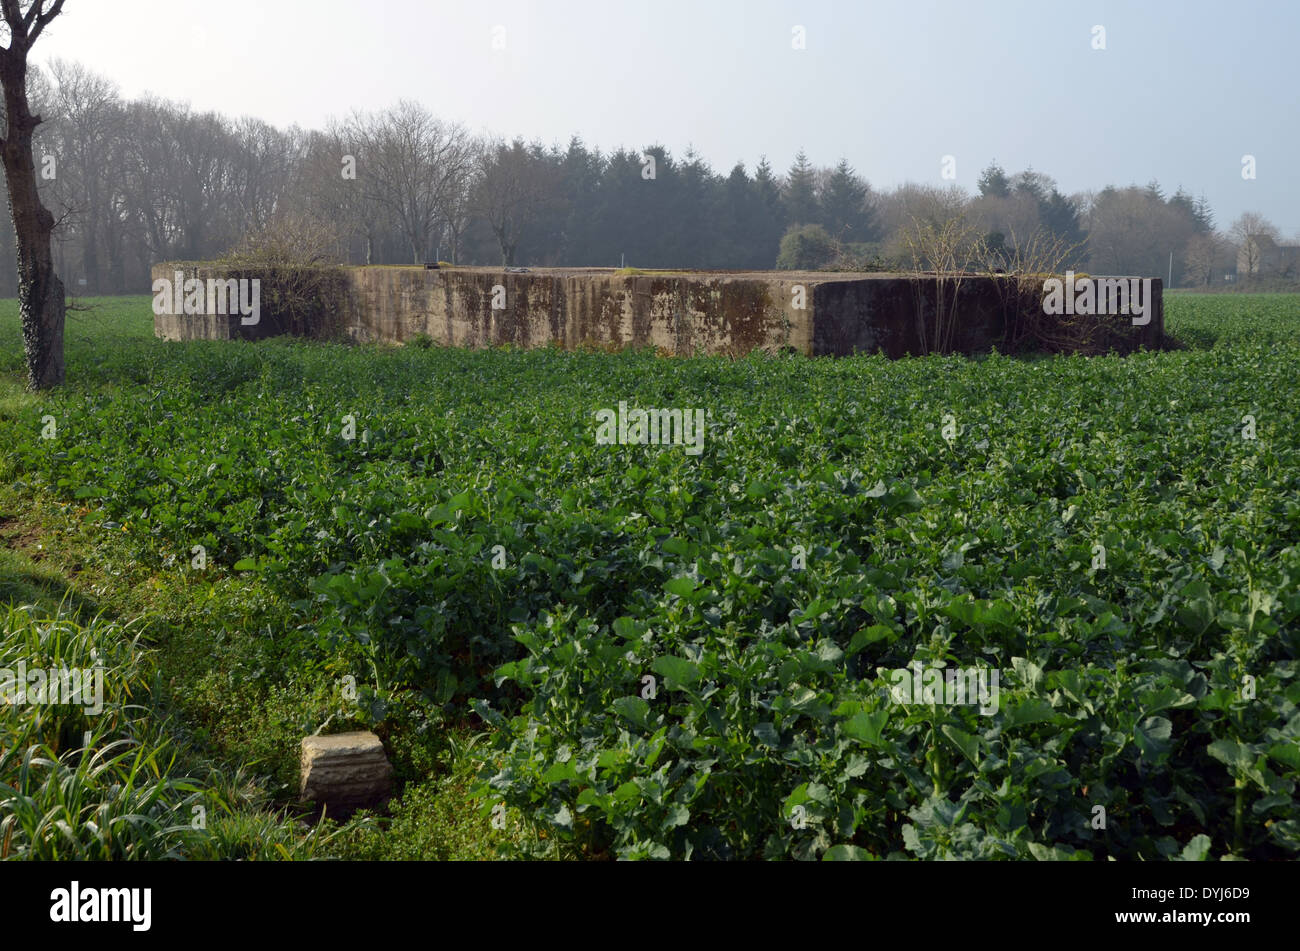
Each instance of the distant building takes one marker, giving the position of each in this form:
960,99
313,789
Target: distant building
1261,255
1223,274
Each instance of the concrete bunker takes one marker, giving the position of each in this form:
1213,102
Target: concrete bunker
676,312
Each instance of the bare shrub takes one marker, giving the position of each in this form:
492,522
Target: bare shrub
289,240
1026,265
297,258
943,252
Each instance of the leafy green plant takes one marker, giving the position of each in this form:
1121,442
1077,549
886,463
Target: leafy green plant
1102,532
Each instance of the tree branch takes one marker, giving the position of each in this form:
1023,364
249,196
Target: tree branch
14,17
33,12
44,19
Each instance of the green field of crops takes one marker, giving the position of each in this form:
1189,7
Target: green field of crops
682,655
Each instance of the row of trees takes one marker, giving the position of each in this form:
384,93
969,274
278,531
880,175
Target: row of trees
132,183
135,182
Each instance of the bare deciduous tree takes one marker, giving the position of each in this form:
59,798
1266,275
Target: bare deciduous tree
324,186
1131,230
514,187
411,163
87,117
458,206
1205,257
1249,226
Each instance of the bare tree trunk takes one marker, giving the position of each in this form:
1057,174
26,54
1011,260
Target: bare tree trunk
89,243
40,292
454,234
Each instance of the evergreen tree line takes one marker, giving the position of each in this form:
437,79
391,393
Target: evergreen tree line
137,182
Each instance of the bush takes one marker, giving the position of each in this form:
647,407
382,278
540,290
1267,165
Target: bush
806,248
296,259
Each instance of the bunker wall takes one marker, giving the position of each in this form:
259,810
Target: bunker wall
815,314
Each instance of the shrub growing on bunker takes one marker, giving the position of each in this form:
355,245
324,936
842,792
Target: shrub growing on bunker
297,259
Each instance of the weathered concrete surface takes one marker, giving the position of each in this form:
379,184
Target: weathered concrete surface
345,772
321,304
867,313
680,313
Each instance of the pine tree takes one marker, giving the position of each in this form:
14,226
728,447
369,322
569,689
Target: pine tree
692,238
993,182
1203,215
1060,216
769,189
1036,185
743,220
801,192
844,209
766,239
581,172
1183,202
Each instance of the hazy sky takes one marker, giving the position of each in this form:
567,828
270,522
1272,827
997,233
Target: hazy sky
1183,89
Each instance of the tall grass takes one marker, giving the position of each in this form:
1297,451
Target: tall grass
81,785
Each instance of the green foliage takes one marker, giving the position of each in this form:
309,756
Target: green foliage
431,821
846,206
100,778
806,248
800,193
828,534
84,780
994,182
1232,320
